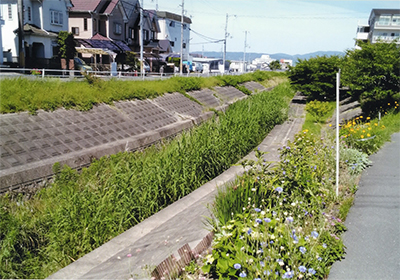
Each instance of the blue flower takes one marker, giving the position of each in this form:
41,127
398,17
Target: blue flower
237,266
312,271
273,213
302,268
288,148
303,250
262,263
324,245
271,242
242,274
257,209
257,278
319,258
267,220
266,272
259,221
249,231
314,234
289,219
279,189
284,172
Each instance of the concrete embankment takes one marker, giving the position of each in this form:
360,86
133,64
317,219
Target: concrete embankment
31,144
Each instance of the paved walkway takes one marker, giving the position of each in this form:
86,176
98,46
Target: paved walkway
155,239
373,223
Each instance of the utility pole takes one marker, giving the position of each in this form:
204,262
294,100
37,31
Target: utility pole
181,64
226,36
141,40
244,53
21,56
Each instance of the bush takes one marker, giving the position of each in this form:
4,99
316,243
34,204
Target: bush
373,76
319,110
316,77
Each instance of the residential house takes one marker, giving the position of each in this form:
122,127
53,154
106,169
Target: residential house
42,20
99,29
170,35
383,25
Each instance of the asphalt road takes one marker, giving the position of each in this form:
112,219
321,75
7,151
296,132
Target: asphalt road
373,223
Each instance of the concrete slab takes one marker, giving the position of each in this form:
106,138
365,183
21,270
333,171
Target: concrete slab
229,94
254,86
206,97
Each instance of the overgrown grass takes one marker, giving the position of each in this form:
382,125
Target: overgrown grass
80,212
21,94
317,114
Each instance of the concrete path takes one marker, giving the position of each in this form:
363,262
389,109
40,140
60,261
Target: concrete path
373,223
155,239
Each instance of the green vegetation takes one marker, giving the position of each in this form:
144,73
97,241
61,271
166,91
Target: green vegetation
279,223
21,94
318,113
316,77
81,211
373,75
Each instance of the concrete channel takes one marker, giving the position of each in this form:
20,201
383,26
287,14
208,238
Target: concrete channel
31,144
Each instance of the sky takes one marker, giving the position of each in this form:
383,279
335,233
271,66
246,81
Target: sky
273,26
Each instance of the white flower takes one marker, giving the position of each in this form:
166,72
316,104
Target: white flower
262,213
293,204
285,213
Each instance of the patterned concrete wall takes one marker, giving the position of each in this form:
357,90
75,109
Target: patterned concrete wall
31,144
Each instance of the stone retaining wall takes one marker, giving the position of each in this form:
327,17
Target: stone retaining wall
31,144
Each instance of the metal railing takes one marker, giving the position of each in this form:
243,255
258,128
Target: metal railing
35,73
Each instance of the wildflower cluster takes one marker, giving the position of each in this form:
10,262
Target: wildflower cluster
282,231
363,133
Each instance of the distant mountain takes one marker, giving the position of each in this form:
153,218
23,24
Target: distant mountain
250,56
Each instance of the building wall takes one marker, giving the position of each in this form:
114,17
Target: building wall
384,27
57,7
116,18
77,21
171,30
8,25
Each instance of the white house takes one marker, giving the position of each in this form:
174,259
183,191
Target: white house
262,62
170,35
384,25
42,20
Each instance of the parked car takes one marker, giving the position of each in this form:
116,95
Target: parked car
81,65
197,67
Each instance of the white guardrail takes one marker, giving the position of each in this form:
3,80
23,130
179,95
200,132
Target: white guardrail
34,73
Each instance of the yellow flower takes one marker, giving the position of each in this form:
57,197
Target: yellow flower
363,130
368,135
330,125
361,117
362,136
375,124
368,118
383,126
388,104
369,128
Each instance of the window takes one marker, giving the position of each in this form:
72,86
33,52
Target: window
131,33
153,35
384,20
172,24
56,17
146,35
184,45
117,28
85,24
10,15
184,26
396,20
75,30
172,43
29,14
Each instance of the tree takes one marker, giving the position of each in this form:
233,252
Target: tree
316,77
275,65
66,43
373,75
